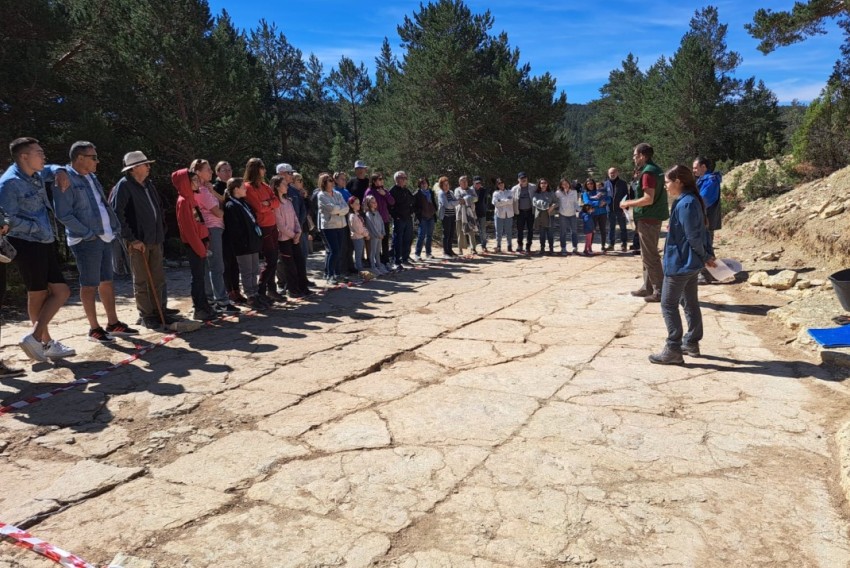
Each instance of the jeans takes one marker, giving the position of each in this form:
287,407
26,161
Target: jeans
94,261
653,274
568,224
214,281
617,217
426,234
402,239
333,238
601,224
504,228
374,252
385,244
681,289
198,266
249,270
269,252
482,231
359,245
449,224
525,220
546,234
289,254
231,268
343,263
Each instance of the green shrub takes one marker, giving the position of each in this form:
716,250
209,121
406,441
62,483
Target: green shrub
767,183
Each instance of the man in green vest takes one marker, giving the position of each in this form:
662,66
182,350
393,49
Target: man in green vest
650,209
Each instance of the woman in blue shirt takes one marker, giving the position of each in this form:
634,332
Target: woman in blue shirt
686,252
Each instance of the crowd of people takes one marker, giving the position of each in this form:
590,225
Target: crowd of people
248,238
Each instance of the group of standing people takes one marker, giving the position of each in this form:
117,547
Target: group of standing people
229,223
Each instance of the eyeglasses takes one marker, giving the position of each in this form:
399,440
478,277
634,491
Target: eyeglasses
92,156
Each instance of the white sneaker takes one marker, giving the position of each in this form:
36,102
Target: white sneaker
55,350
417,258
33,348
430,257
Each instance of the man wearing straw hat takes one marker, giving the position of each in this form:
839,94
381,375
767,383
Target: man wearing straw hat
139,212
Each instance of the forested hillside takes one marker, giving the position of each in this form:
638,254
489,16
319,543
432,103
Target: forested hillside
172,79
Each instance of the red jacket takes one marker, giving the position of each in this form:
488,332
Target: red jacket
193,231
255,196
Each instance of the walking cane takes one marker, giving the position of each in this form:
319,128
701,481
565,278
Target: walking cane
176,326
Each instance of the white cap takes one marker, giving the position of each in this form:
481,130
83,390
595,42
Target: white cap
284,169
360,164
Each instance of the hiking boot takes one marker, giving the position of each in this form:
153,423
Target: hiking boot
228,309
652,298
55,350
667,357
204,314
33,348
640,293
99,335
255,303
274,296
120,329
236,297
171,312
7,372
691,349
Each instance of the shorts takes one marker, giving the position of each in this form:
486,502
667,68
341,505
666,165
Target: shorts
38,264
94,261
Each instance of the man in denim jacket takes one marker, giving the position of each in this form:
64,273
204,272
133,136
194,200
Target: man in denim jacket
23,197
90,226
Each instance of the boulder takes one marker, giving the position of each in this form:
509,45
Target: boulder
757,278
782,281
803,284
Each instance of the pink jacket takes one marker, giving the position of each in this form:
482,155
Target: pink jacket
286,220
358,229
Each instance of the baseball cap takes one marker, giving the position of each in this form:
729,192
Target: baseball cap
284,169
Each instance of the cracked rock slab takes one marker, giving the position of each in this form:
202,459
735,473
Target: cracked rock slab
50,485
265,536
360,430
443,414
311,412
384,490
127,517
230,461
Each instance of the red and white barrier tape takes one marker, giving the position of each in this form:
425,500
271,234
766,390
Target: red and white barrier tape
85,380
20,537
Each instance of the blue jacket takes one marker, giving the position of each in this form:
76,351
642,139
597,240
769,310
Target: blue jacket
24,199
587,222
687,247
709,188
599,204
298,204
77,209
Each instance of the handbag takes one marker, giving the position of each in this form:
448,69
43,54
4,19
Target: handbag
7,251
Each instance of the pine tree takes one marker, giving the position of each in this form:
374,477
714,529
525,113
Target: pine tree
283,69
351,84
458,101
805,19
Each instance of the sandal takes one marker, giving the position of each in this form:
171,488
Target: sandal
841,320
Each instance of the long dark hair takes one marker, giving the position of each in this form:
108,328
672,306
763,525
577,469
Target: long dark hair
685,175
252,172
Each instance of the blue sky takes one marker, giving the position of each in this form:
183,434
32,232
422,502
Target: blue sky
579,45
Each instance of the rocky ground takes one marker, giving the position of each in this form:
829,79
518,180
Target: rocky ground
489,413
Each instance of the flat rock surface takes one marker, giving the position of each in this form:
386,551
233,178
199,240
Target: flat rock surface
491,412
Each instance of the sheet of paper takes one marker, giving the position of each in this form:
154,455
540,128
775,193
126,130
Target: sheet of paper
721,272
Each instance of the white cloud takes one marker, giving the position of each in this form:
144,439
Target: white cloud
804,91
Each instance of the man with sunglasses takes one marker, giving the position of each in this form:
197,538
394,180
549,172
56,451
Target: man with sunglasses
90,227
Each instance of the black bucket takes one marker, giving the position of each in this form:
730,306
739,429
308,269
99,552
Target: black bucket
841,283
